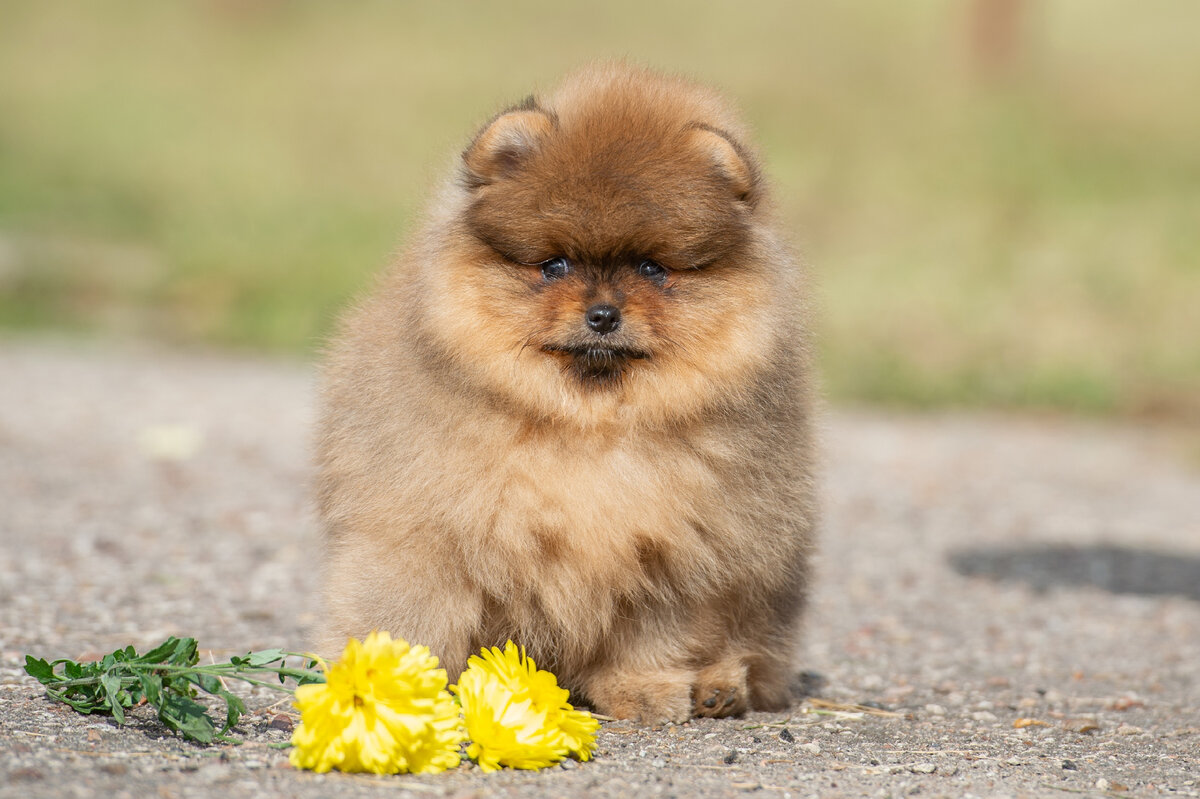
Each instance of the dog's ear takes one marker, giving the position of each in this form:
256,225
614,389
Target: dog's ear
734,163
504,143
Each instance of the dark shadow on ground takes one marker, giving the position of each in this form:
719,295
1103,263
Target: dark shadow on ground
1120,570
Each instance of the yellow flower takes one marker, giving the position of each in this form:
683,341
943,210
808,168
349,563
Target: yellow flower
517,715
383,708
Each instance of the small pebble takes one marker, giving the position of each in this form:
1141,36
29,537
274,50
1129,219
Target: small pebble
812,747
786,735
935,710
658,762
1070,765
730,757
922,768
281,722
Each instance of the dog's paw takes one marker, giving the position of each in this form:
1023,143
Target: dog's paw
720,690
650,699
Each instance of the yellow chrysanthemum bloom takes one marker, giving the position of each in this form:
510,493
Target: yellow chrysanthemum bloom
517,715
383,708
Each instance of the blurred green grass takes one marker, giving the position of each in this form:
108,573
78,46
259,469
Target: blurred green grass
230,173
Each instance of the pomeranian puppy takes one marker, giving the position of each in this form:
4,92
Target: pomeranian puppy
575,413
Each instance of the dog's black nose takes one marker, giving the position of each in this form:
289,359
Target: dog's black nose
603,318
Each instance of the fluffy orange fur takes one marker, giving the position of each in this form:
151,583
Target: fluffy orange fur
633,505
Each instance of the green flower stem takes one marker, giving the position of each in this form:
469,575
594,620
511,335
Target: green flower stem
218,670
168,678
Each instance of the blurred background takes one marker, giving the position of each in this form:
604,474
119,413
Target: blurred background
999,200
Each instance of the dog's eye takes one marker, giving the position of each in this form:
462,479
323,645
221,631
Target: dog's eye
555,268
652,271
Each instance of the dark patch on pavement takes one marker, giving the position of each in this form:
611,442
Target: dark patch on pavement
1119,570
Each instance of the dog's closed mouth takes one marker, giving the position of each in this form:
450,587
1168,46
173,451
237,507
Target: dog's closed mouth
598,355
597,366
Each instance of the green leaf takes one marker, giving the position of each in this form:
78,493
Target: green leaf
160,653
234,708
40,670
208,682
173,651
83,705
186,653
112,689
264,657
151,688
187,717
177,684
85,708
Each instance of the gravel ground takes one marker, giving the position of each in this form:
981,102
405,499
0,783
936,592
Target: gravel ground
1016,600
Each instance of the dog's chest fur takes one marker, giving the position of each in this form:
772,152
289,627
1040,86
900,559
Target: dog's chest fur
575,527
